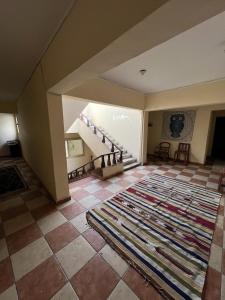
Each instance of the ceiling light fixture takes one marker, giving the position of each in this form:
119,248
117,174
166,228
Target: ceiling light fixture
143,71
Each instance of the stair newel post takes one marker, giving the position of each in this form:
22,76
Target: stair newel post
103,139
109,160
93,165
103,162
83,171
114,158
121,156
113,148
95,130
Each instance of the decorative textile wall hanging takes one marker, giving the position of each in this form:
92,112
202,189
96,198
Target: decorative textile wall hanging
178,125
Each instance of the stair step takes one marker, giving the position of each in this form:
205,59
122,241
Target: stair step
128,161
127,155
131,166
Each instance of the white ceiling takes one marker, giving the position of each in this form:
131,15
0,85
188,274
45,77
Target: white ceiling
26,28
197,55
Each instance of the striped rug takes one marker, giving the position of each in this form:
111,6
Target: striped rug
163,227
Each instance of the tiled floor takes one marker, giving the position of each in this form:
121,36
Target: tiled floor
50,252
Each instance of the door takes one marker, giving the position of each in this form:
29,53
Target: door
218,149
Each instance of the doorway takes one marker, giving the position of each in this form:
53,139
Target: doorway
218,148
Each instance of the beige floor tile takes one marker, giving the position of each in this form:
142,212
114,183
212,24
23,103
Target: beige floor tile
80,222
89,201
75,255
29,257
66,293
37,202
223,287
51,221
3,249
122,292
9,294
11,203
60,206
18,223
215,259
220,221
224,239
116,262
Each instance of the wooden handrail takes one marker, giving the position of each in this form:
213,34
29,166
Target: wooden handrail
90,123
75,173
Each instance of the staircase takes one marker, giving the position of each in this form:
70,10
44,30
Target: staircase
91,168
128,160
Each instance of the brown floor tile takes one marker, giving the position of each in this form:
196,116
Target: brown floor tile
22,238
212,285
139,286
41,283
218,237
29,195
6,274
73,210
13,212
2,234
186,174
170,174
43,211
212,180
202,173
94,238
197,181
95,280
61,236
221,210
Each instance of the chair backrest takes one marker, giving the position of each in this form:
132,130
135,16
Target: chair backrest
164,145
184,147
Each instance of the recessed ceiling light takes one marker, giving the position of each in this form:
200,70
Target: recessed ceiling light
143,71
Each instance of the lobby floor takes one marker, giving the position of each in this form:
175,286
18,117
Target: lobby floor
48,251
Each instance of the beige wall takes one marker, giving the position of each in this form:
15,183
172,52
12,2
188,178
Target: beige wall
75,162
72,107
124,125
212,93
199,139
7,132
104,91
55,112
35,132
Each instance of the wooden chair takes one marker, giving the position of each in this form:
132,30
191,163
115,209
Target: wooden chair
183,150
162,151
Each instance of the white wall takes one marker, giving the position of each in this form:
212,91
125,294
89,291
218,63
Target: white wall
124,125
72,107
75,162
7,132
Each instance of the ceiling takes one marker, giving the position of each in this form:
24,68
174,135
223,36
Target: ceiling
26,29
194,56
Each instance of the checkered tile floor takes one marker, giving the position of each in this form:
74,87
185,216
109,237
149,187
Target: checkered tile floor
49,251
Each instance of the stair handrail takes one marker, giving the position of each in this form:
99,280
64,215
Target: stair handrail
96,128
75,173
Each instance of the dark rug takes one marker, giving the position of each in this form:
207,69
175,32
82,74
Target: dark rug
11,180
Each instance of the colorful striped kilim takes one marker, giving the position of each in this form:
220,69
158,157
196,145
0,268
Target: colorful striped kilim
164,228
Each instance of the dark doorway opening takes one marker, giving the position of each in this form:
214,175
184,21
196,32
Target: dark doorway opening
218,148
